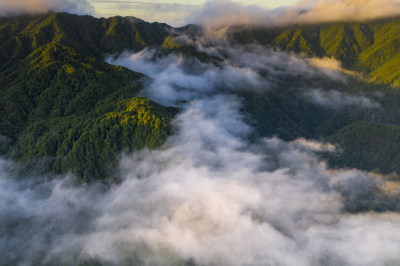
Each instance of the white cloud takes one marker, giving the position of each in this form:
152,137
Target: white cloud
336,99
218,14
353,10
208,196
175,79
332,67
40,6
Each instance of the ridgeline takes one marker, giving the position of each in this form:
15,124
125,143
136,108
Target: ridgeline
64,109
372,47
57,90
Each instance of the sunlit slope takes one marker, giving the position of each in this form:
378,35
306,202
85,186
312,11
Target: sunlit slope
89,35
88,144
372,47
56,92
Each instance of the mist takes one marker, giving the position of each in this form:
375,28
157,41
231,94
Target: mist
209,196
175,79
336,100
217,15
80,7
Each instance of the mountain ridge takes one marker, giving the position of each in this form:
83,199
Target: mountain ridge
53,75
371,47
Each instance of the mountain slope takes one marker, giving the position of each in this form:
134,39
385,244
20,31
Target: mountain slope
63,108
56,91
369,146
371,47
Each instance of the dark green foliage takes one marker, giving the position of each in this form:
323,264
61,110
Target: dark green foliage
56,91
369,146
62,108
88,35
277,113
283,111
372,47
62,126
170,46
88,144
366,146
47,60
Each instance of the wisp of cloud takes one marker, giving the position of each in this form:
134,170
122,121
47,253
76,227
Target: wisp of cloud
216,16
80,7
208,196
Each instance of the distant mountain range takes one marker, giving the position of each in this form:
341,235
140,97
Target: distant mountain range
63,108
372,47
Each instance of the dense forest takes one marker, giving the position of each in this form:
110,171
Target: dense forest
63,108
58,95
124,142
371,47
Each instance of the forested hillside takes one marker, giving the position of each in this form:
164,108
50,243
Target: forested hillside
56,91
63,108
124,142
372,47
369,146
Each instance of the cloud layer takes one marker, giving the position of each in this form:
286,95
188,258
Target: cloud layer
224,13
208,196
343,10
176,79
81,7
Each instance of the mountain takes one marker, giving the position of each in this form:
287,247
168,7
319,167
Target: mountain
230,149
63,108
369,146
371,47
57,90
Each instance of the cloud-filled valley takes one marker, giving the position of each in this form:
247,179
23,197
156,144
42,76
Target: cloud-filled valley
215,15
212,195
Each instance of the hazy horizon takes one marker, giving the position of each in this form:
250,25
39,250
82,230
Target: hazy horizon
216,12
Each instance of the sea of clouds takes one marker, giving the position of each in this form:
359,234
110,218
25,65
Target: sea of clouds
209,196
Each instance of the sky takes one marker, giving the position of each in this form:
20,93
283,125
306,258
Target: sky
216,14
170,11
